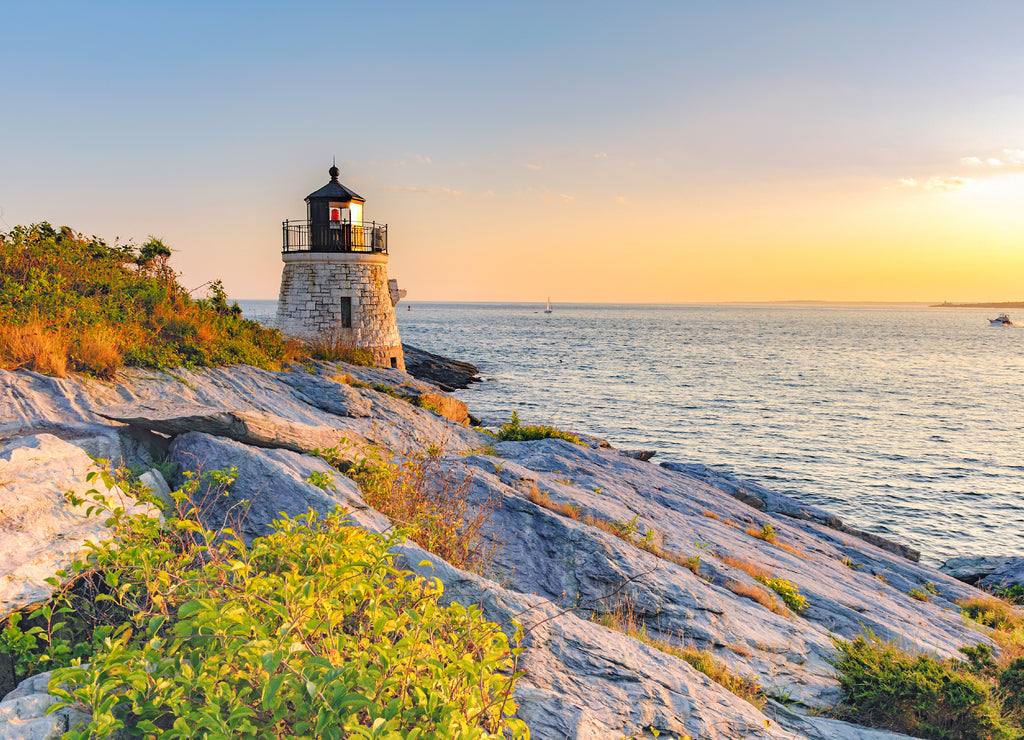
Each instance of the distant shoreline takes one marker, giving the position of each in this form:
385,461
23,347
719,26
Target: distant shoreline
1007,304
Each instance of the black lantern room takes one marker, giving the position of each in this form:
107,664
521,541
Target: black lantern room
334,223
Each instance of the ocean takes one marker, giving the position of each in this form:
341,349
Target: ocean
903,420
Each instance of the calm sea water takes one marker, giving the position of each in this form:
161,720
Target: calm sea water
906,421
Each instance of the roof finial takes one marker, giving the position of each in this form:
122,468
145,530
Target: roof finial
334,171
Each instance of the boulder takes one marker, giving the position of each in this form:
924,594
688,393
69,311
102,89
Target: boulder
23,713
270,482
297,410
447,406
154,480
972,568
248,427
444,372
41,531
1009,573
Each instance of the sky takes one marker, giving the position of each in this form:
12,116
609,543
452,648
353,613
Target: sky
671,152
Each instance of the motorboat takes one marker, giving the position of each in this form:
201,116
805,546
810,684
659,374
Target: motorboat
1002,320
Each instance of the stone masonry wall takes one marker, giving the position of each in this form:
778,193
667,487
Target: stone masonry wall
312,288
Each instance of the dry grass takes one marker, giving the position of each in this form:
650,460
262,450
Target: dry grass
791,550
711,515
751,569
347,379
35,347
760,595
750,591
99,352
623,618
992,612
768,534
431,503
567,510
338,345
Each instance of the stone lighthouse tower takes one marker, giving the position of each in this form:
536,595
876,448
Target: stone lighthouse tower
335,279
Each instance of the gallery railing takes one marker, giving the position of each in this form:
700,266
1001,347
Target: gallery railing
335,236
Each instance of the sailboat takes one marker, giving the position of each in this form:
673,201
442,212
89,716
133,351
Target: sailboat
548,309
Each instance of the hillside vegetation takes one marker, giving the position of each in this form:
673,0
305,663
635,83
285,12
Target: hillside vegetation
70,302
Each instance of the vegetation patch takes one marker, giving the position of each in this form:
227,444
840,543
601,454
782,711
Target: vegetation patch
624,619
338,345
68,302
1013,594
514,431
309,632
919,695
992,612
788,590
430,502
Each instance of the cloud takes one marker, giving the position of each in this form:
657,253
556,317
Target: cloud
1009,158
424,191
947,184
566,197
419,158
532,166
601,155
1014,156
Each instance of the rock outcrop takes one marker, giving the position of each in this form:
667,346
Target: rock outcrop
987,571
42,530
580,532
444,372
24,713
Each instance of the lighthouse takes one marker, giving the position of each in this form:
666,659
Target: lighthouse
335,277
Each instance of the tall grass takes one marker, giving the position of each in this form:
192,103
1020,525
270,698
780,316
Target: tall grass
68,302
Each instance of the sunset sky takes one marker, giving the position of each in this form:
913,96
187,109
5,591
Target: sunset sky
593,151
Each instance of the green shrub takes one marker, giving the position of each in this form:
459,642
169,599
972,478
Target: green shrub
309,632
787,590
882,686
514,431
1011,684
1014,594
71,302
919,594
979,658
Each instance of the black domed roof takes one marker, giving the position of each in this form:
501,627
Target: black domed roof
334,190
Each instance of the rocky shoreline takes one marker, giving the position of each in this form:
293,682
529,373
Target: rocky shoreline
680,570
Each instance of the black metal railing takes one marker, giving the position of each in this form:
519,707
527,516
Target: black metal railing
335,236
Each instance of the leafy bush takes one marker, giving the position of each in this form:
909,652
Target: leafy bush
787,590
71,302
1013,594
430,502
309,632
1011,683
882,686
514,431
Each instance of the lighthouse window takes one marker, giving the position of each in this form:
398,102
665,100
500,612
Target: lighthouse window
346,313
